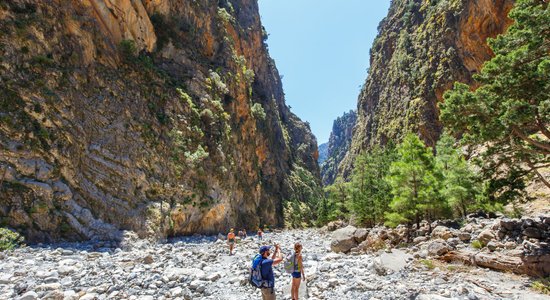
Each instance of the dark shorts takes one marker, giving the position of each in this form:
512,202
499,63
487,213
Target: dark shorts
296,275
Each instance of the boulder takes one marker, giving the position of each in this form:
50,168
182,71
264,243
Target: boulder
442,232
492,246
532,232
360,235
509,225
31,295
343,239
464,236
419,240
453,242
486,236
438,247
334,225
468,228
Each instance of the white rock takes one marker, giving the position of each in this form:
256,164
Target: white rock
30,295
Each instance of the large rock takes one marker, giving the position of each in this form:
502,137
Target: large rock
532,232
509,224
486,236
442,232
438,247
464,236
31,295
360,235
334,225
343,239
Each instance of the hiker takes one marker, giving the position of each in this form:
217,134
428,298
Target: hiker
260,234
231,241
297,271
245,235
267,264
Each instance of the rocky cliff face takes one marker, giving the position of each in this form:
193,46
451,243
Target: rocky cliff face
422,48
338,145
157,116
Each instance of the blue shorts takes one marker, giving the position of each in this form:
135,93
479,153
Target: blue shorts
296,275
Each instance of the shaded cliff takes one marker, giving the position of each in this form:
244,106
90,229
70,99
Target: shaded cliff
323,152
338,146
422,48
157,116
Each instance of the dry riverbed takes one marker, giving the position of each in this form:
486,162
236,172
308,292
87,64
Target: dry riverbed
200,268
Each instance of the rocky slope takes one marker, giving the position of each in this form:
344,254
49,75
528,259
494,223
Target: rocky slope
422,48
520,246
201,268
161,117
338,145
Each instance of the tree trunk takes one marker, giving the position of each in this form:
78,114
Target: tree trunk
529,265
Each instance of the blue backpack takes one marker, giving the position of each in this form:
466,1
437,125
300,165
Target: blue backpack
256,278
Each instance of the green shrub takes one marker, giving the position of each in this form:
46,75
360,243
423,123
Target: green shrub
542,285
225,16
196,157
43,61
258,111
128,50
9,239
477,244
207,114
428,263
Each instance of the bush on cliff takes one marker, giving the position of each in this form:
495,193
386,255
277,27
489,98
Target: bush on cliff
9,239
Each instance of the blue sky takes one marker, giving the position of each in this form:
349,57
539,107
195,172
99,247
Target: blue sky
321,48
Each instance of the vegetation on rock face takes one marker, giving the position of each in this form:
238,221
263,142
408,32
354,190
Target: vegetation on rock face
338,145
301,210
508,110
172,132
422,48
9,239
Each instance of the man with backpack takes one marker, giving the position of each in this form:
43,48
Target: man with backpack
261,274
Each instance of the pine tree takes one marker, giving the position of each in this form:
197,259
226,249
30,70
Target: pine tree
509,112
334,205
460,184
370,192
413,184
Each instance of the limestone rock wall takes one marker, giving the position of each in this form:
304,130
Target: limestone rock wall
422,48
161,117
338,145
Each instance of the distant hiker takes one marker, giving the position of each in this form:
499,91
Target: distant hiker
261,273
260,234
243,234
231,241
294,266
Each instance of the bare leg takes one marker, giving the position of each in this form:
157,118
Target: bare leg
295,287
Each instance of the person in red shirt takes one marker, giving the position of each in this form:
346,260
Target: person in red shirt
260,234
231,241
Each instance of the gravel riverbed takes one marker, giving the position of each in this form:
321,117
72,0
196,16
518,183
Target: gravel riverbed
201,268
